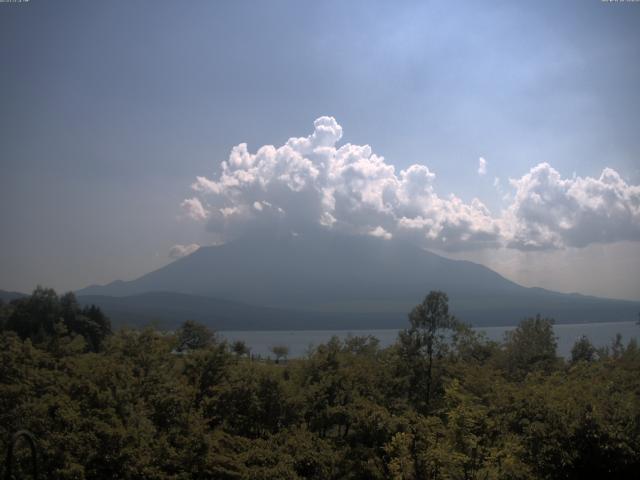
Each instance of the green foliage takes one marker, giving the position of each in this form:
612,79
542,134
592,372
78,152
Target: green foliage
531,347
280,352
137,407
193,336
44,317
424,345
240,348
583,351
5,313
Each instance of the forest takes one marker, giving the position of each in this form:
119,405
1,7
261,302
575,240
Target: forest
443,402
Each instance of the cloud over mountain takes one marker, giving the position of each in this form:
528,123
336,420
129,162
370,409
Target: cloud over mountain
551,212
179,251
312,182
194,209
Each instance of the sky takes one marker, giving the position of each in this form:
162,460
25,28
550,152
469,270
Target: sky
504,133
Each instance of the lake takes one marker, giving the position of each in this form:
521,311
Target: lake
299,341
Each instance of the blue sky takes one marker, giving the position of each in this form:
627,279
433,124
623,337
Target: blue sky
110,111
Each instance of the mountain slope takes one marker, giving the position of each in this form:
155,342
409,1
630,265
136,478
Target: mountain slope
169,310
341,275
6,296
303,271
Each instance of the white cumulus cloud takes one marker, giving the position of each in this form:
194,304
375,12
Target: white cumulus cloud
313,182
179,251
380,233
549,211
482,166
194,209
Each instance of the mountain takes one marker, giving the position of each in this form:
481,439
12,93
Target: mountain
169,310
336,279
6,296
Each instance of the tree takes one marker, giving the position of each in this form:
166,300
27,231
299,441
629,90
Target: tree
427,339
89,321
95,326
280,351
193,336
4,314
240,348
341,412
35,316
583,350
617,347
531,346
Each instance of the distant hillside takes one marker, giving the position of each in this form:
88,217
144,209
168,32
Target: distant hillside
169,310
6,296
336,278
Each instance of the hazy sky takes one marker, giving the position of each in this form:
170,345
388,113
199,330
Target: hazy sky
110,111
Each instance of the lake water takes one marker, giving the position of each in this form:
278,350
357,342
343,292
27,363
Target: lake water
300,341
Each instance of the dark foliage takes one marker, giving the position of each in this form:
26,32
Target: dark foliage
41,316
442,403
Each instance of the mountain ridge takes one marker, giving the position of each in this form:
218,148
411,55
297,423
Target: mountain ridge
328,277
7,296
